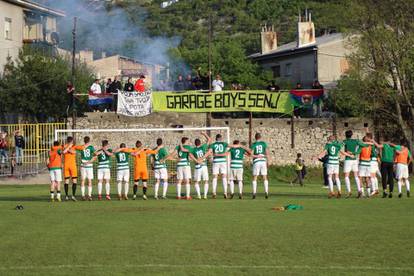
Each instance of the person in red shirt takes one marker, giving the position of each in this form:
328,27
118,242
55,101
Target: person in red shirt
140,84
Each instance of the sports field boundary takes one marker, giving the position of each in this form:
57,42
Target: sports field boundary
209,266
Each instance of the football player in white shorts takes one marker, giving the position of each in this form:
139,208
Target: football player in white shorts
183,167
104,169
260,156
402,159
237,154
122,156
219,151
54,164
198,154
160,169
333,149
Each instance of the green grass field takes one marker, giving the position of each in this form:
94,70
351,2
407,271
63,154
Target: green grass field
227,237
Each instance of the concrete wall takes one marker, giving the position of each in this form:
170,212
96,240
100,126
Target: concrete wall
303,68
310,134
10,47
332,62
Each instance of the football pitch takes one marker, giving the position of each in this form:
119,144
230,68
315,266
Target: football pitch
206,237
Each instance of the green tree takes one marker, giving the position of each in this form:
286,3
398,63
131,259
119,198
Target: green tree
35,85
383,65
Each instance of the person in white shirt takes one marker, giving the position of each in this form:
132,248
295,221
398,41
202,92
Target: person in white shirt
218,84
96,87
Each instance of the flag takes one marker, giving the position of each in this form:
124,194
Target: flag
99,99
306,97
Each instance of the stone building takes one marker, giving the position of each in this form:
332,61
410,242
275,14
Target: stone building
25,22
309,58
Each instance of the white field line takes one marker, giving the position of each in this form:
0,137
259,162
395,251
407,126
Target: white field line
209,266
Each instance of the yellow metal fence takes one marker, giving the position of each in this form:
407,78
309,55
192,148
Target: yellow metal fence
38,139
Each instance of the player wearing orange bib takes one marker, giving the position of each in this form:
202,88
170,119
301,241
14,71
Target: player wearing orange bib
70,170
54,164
402,159
365,167
140,167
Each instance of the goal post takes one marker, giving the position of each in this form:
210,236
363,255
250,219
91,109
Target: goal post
148,136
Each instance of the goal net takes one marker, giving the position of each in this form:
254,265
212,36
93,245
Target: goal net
171,138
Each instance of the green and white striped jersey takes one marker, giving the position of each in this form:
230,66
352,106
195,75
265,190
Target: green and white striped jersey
104,160
160,155
86,155
333,149
219,148
237,158
200,152
122,160
259,147
183,156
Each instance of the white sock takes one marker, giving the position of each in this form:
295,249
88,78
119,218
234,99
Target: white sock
407,185
205,189
107,188
266,186
99,188
214,186
187,190
358,183
240,187
225,185
373,183
399,186
197,188
52,195
164,188
126,188
58,195
119,188
156,187
231,187
179,190
330,184
83,191
90,190
338,184
347,184
254,182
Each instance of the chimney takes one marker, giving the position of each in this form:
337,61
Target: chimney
269,39
86,56
306,31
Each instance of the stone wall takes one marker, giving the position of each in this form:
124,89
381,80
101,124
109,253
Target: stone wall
310,135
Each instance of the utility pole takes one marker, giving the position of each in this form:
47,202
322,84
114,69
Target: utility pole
210,38
73,75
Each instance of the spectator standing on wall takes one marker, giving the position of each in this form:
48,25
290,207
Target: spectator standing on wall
108,86
217,84
317,85
189,83
19,143
129,86
179,84
140,84
297,110
70,92
96,87
273,87
115,87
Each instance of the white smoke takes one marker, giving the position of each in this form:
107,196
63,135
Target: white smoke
102,26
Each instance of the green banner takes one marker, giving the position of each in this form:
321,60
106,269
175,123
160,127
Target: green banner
223,101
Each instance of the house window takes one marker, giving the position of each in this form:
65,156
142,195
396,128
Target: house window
288,69
7,28
276,71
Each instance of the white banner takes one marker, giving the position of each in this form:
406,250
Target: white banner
134,103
